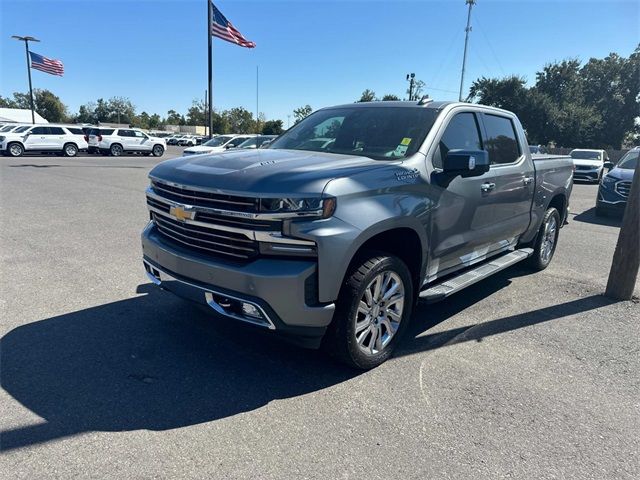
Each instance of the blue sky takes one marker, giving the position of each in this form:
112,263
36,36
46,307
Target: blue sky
320,53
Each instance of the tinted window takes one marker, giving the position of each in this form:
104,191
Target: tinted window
56,131
381,133
126,133
76,131
138,134
106,131
630,160
21,129
40,131
461,133
501,144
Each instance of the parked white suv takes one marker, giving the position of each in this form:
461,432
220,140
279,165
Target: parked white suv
116,141
217,144
43,138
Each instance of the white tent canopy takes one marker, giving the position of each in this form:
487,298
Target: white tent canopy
19,115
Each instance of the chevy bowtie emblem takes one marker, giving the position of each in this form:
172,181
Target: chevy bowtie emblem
182,213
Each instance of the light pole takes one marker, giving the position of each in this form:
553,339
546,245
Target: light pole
26,41
471,3
288,121
411,79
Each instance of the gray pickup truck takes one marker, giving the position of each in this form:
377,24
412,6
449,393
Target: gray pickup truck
331,234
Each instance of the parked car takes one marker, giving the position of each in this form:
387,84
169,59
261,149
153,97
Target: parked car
117,141
219,143
257,141
42,138
332,246
589,164
11,127
616,184
187,141
173,139
537,149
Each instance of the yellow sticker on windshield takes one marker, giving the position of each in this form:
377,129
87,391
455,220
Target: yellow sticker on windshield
405,141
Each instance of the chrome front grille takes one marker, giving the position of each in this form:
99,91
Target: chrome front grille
205,199
623,188
218,225
207,240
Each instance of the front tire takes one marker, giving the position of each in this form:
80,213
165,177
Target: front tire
546,240
372,312
15,149
70,150
158,150
116,150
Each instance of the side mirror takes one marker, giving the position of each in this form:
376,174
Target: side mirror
608,165
466,163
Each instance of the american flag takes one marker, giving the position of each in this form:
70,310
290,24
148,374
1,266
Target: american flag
47,65
222,28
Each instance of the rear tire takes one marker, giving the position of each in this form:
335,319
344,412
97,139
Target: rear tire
15,149
116,150
70,150
372,312
546,240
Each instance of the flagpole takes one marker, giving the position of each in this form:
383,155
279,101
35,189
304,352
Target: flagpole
26,48
210,57
257,104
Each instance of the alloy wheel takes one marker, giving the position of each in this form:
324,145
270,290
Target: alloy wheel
379,312
549,239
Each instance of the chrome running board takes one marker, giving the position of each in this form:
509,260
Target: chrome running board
469,277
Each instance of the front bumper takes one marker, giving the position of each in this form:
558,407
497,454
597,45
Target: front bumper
285,290
588,175
610,200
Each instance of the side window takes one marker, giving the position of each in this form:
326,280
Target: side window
138,134
502,143
461,133
76,131
125,133
56,131
39,131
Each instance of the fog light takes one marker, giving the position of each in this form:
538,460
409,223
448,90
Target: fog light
250,310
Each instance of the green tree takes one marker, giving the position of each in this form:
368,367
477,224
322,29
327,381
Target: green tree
174,118
86,113
273,127
240,120
197,113
47,104
142,120
390,97
121,110
368,96
219,123
301,113
155,121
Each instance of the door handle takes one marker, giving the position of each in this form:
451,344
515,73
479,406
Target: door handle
487,187
527,180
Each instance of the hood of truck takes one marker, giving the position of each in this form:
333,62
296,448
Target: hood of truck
263,172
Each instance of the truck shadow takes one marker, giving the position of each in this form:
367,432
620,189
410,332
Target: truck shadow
589,216
150,362
155,362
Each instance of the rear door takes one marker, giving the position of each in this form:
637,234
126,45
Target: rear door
55,138
514,177
127,138
462,221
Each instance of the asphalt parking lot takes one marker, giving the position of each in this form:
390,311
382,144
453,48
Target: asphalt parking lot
521,376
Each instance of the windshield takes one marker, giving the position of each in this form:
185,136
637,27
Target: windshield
249,142
7,128
630,160
217,141
381,133
585,155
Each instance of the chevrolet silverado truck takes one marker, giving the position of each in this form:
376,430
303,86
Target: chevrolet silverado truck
332,243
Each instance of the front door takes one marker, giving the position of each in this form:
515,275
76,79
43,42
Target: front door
462,219
36,138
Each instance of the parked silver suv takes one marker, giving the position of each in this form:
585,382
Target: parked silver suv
117,141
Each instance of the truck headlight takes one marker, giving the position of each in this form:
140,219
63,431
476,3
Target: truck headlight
299,207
